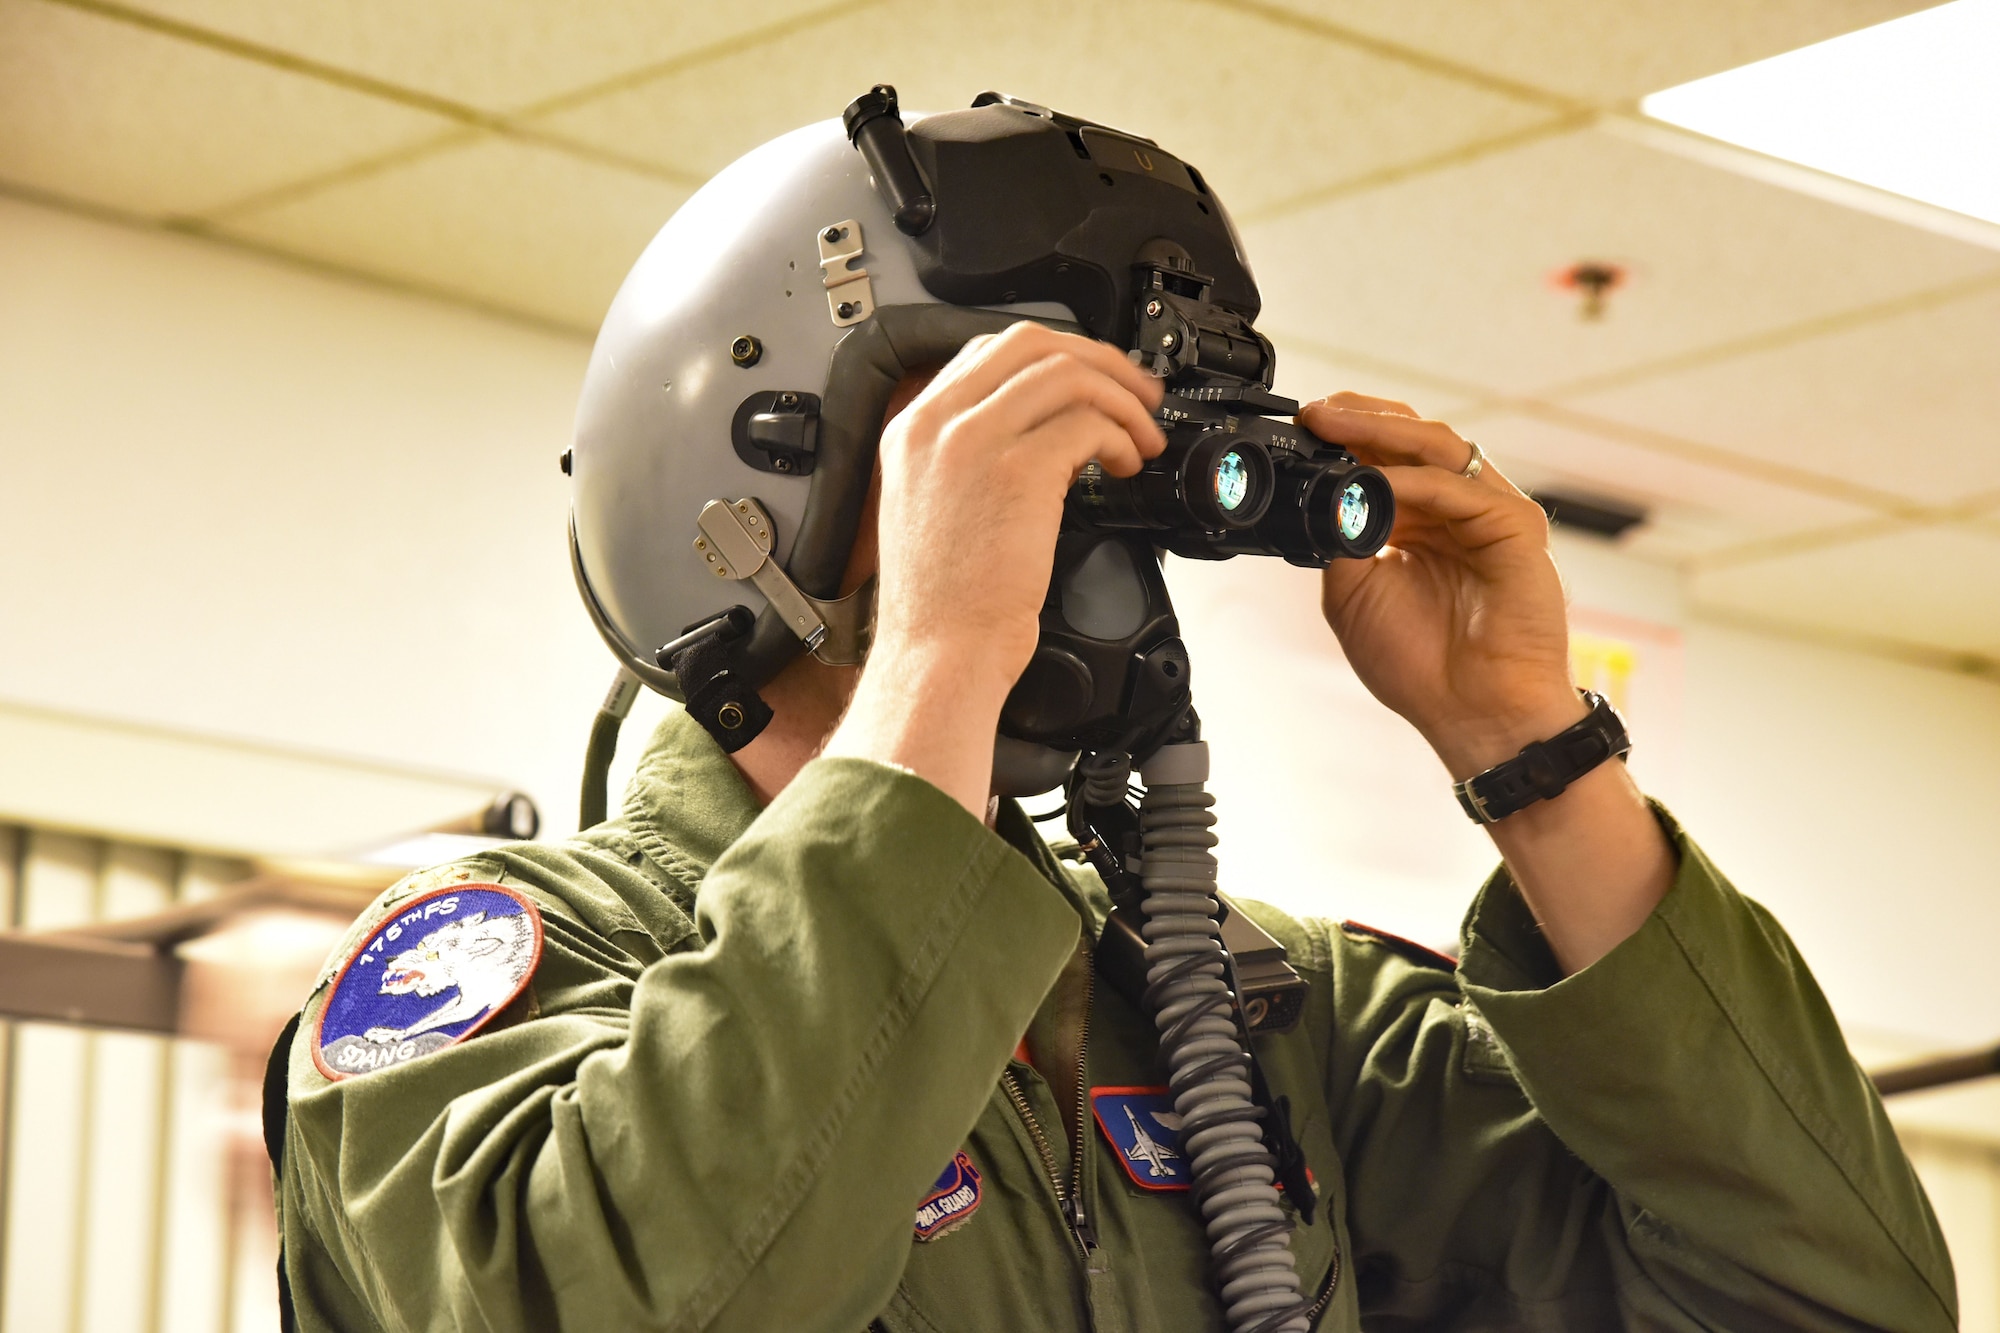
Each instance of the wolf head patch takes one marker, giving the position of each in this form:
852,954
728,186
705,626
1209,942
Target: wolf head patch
428,977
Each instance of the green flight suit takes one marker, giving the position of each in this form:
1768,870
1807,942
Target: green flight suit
754,1039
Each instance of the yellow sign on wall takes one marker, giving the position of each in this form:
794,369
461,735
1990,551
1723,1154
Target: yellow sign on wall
1636,664
1605,665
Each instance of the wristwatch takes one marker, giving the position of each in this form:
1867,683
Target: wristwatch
1544,769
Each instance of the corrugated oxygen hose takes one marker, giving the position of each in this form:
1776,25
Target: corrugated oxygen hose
1208,1064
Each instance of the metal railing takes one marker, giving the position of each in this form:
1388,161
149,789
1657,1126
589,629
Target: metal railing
134,1195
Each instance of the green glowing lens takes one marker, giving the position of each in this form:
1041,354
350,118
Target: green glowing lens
1353,515
1232,481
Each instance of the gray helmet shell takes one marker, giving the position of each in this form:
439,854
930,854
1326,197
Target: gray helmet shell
653,429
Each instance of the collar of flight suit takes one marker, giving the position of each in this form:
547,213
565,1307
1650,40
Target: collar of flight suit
687,803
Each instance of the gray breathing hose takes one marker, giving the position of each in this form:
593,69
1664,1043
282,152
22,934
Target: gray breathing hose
1208,1064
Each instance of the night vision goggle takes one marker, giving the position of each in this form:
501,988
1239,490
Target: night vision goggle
1018,203
1150,262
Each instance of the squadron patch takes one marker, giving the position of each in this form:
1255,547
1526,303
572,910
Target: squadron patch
429,976
951,1202
1142,1126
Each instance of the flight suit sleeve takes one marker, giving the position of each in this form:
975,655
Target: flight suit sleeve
732,1136
1675,1137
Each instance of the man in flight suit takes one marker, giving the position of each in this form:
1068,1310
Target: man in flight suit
807,1037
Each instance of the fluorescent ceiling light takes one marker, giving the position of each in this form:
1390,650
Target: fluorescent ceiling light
1911,106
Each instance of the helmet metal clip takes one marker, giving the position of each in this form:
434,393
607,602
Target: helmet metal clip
850,298
736,543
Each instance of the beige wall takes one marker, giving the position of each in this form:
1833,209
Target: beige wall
246,499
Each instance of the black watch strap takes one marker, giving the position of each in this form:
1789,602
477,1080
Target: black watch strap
1544,769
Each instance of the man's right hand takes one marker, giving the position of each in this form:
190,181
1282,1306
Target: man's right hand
973,477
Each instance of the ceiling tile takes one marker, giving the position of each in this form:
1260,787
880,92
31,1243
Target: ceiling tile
1692,506
505,223
110,114
498,55
1290,112
1601,52
1306,372
1938,587
1910,403
1450,272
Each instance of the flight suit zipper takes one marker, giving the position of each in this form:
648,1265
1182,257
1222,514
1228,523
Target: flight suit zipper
1069,1197
1318,1307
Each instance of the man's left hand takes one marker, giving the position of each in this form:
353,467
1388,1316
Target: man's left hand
1459,623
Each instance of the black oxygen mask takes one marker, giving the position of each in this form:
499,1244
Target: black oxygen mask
1109,672
1237,476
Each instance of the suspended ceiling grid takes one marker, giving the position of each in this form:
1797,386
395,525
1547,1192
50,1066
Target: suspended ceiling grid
1802,393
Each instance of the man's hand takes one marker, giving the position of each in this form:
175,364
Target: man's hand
1459,625
973,477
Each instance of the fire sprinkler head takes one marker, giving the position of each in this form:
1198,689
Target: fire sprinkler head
1593,280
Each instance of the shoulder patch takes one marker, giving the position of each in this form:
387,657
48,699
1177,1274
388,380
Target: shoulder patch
431,973
1142,1126
1408,950
952,1200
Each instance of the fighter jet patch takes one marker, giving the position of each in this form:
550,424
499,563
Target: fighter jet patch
951,1202
428,977
1146,1133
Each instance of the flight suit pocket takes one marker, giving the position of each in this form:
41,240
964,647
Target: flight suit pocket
902,1317
988,1248
1317,1249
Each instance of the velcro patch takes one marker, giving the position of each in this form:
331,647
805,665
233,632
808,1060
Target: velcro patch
428,977
1142,1125
951,1202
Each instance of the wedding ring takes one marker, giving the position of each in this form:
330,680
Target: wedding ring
1476,465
